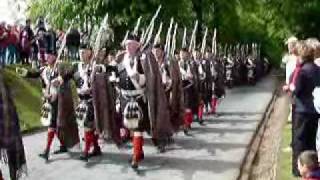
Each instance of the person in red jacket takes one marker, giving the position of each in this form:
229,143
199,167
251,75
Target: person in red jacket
308,165
12,45
3,42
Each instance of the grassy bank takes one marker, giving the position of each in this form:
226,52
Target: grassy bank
27,94
285,160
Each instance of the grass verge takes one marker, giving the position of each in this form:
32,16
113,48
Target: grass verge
27,98
285,160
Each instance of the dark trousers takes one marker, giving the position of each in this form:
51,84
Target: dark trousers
292,124
25,57
305,130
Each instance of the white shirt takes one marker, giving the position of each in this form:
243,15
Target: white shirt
291,61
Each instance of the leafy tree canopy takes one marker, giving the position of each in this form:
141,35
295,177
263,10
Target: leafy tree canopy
268,22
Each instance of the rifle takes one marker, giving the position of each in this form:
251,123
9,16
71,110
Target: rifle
204,42
157,37
184,39
98,43
214,43
136,28
174,40
149,30
168,40
193,37
125,38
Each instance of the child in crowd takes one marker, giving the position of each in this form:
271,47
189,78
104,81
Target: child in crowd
308,165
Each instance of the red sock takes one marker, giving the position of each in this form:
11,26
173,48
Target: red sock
1,177
188,118
95,141
60,140
200,111
214,103
50,139
137,148
88,138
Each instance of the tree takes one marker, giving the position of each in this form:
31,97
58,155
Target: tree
267,22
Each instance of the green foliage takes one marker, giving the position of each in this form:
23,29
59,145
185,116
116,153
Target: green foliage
268,22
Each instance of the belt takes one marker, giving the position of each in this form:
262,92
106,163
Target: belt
132,94
85,97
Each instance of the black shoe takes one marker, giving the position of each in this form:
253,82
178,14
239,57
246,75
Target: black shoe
84,157
170,140
96,152
161,149
186,132
201,122
155,141
45,155
62,150
131,158
134,165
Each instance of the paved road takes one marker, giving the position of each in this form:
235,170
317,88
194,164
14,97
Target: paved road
214,152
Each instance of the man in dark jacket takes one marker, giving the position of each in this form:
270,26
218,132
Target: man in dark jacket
51,39
73,44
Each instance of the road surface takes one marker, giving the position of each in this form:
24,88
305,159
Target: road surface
213,152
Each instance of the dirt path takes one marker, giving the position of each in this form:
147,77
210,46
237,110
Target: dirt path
265,163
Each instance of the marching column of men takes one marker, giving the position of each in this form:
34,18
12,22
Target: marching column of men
150,97
139,91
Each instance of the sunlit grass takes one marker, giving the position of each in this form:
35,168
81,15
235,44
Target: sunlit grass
285,160
26,94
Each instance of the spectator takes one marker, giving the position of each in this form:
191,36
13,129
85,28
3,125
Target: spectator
317,54
51,40
290,59
3,43
304,81
40,25
73,44
12,45
308,165
16,31
41,46
26,41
